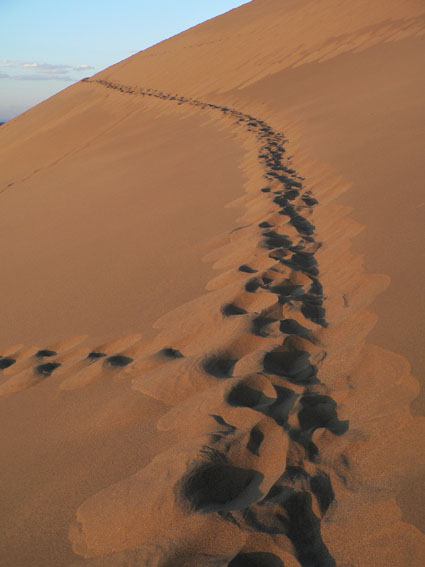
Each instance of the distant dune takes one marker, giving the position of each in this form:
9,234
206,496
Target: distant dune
212,333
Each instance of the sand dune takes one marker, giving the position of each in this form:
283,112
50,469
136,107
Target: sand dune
251,423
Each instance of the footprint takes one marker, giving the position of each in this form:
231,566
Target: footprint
292,327
230,309
221,487
321,487
47,368
118,360
260,324
6,362
95,355
254,391
171,353
247,269
45,353
256,437
318,411
294,365
219,365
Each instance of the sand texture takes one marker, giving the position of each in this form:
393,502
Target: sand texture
212,297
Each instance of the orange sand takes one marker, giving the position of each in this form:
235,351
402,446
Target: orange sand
269,431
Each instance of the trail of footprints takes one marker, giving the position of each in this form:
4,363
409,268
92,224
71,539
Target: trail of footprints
289,501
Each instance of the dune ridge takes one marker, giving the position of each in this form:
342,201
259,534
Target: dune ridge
284,417
309,31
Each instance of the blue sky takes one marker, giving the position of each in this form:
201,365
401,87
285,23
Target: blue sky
45,45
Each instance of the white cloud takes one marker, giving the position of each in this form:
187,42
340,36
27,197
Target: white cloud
41,77
83,67
47,71
7,63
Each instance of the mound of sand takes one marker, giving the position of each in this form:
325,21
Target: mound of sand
248,424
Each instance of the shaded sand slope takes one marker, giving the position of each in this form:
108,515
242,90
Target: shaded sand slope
257,426
106,207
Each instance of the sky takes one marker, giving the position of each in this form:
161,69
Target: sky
46,45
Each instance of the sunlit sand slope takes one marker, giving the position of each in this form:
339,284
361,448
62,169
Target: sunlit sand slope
254,424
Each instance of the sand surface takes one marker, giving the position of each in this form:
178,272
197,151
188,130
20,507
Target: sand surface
258,414
99,239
